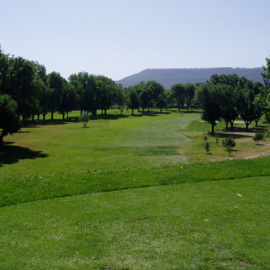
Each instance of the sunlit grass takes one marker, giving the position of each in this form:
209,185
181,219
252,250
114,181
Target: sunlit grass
207,225
133,193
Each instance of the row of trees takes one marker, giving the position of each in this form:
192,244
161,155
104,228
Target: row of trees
26,90
227,96
39,93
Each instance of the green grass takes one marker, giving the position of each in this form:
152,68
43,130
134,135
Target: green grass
203,225
23,188
133,193
105,144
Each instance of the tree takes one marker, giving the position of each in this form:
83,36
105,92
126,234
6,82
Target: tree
266,73
69,100
228,104
120,98
228,144
262,100
209,96
145,99
56,88
189,93
178,92
106,92
9,120
84,117
206,146
154,89
44,100
161,101
133,101
21,86
258,137
4,73
168,98
246,106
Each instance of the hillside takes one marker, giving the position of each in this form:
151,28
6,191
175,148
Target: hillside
168,77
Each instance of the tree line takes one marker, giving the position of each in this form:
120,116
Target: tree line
26,91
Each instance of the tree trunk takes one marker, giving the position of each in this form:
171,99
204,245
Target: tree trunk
227,125
231,124
38,117
24,120
52,115
213,128
256,121
44,116
2,138
132,111
247,124
63,116
105,111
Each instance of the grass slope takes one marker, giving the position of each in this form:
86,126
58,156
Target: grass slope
206,225
167,211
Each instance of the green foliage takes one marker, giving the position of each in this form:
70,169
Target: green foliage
246,106
9,120
258,137
84,117
228,144
178,92
210,96
133,101
207,147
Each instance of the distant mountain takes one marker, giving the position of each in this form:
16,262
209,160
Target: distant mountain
168,77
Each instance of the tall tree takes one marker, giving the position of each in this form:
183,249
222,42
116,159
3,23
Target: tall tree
69,100
262,100
9,120
120,98
22,74
161,101
189,93
228,104
178,92
133,101
56,88
210,97
106,92
246,106
145,99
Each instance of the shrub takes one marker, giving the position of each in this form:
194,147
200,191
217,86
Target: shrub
207,147
258,137
84,118
228,144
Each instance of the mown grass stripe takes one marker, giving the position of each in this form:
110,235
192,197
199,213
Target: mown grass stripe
21,189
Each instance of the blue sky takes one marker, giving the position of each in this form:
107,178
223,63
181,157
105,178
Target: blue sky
117,38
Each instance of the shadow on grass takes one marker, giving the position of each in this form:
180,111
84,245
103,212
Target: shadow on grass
243,129
108,116
10,154
222,135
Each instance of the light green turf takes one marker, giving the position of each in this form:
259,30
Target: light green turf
189,217
140,141
207,225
